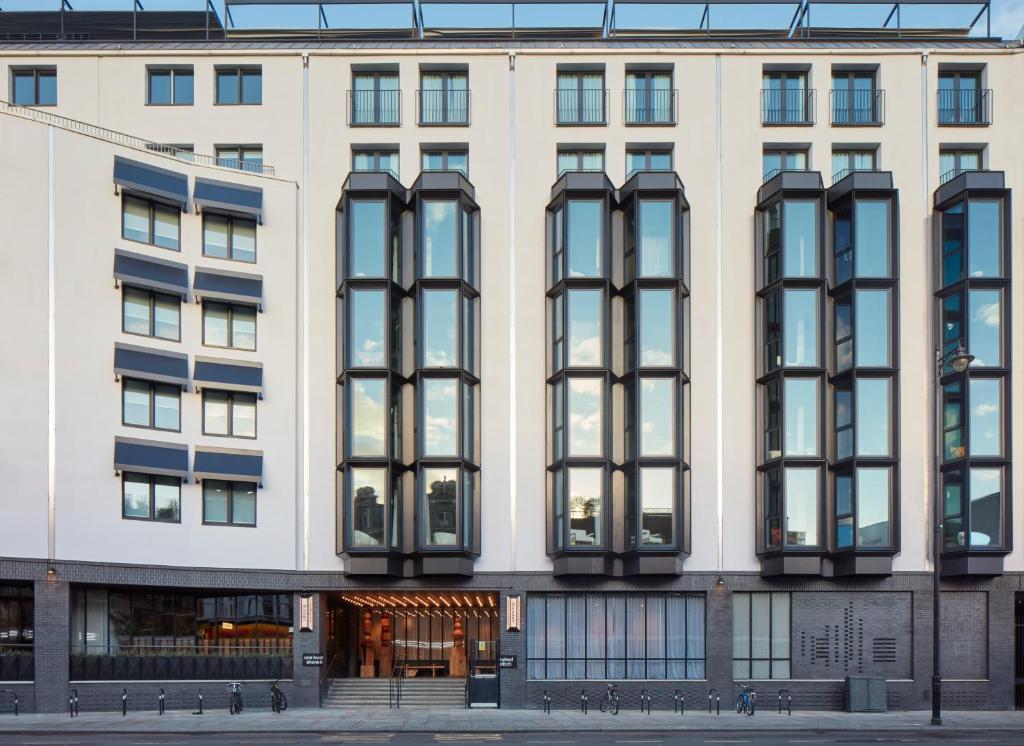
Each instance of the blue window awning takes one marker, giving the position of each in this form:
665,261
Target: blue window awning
232,287
151,365
151,457
153,274
228,375
228,463
233,199
152,181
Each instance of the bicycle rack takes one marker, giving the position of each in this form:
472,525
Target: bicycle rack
713,694
124,702
547,702
73,703
789,701
160,702
200,710
13,694
645,699
679,702
583,702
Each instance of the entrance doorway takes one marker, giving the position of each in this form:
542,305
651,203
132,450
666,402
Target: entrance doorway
417,634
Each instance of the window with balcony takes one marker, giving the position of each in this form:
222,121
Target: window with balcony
954,161
383,160
239,85
856,99
229,237
148,497
647,159
786,99
34,86
776,160
375,99
847,161
961,99
229,503
231,325
445,159
580,160
169,86
148,221
151,405
649,98
242,157
229,413
151,314
444,98
580,98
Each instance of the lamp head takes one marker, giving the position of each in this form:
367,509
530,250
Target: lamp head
961,359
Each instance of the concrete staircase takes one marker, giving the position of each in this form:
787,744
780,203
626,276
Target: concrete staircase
436,693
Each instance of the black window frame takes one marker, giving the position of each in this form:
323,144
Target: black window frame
844,99
239,72
37,72
152,480
771,625
578,154
231,395
954,113
231,220
647,153
446,92
231,504
153,388
376,154
376,119
239,162
231,333
782,113
174,71
153,296
783,153
152,207
444,152
649,110
578,117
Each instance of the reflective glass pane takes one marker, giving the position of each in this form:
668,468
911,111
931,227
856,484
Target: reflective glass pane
655,238
166,499
844,496
952,422
873,398
252,87
166,221
770,161
657,504
585,328
135,223
243,415
657,327
136,403
46,82
584,232
167,317
800,242
872,232
367,330
953,509
658,417
136,496
136,311
984,334
243,240
952,244
368,512
872,335
586,430
986,507
872,507
800,335
166,408
243,327
801,507
227,86
440,238
368,249
844,334
440,417
586,506
243,503
160,87
801,416
439,326
183,87
215,501
215,413
441,524
368,417
24,83
844,422
985,423
215,236
984,244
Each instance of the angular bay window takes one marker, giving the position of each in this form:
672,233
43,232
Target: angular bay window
972,302
792,370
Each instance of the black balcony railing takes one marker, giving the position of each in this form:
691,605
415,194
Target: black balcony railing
863,108
375,108
588,106
787,106
449,107
967,107
954,172
652,107
840,175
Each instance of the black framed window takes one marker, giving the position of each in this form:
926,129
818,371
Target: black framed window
231,413
229,503
151,405
649,98
149,497
961,99
444,98
973,508
615,636
642,159
761,635
230,325
849,160
774,160
239,85
580,98
786,99
170,86
382,160
580,160
151,222
229,237
374,496
445,159
242,157
375,99
856,99
17,639
34,86
150,314
954,161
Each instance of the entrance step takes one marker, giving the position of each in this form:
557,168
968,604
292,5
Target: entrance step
416,692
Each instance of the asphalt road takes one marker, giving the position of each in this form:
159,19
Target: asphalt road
924,737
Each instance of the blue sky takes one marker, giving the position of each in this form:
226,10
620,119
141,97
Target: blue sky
1007,15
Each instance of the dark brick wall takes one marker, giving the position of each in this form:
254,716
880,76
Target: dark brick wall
52,644
26,698
964,626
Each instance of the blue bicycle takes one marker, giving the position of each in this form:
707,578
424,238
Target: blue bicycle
746,700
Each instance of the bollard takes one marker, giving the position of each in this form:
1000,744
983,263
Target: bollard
73,703
583,701
160,701
713,693
645,698
200,710
789,701
124,702
547,702
679,700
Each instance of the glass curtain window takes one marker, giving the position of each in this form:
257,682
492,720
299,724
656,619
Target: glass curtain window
984,238
800,238
368,417
441,514
658,416
873,501
367,328
657,505
585,416
439,328
440,238
586,506
657,327
872,328
761,635
440,416
655,238
801,496
800,335
871,228
985,421
800,397
873,396
585,327
368,243
368,509
585,238
580,98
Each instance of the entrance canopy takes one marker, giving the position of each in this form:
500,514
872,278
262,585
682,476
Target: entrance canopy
469,603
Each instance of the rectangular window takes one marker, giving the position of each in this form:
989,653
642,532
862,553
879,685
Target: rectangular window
151,314
239,85
152,405
229,325
148,221
647,160
376,99
34,86
169,86
786,99
649,98
845,162
242,157
580,98
446,160
962,100
228,237
615,636
444,98
231,413
229,503
382,161
441,511
761,635
580,160
855,100
774,160
955,162
147,497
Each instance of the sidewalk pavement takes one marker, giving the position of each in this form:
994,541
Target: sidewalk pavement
484,721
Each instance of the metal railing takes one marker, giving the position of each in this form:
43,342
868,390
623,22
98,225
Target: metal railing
120,138
840,175
970,107
442,108
395,682
793,107
636,171
954,172
857,108
575,106
649,107
776,171
381,108
325,677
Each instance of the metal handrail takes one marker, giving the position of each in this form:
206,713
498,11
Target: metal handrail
650,107
436,107
325,676
954,172
584,107
864,108
840,175
964,107
776,171
395,682
128,141
794,107
375,108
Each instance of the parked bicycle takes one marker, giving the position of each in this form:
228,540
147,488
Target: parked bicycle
278,702
610,703
235,697
746,700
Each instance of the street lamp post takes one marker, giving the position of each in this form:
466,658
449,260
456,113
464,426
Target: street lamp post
958,359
